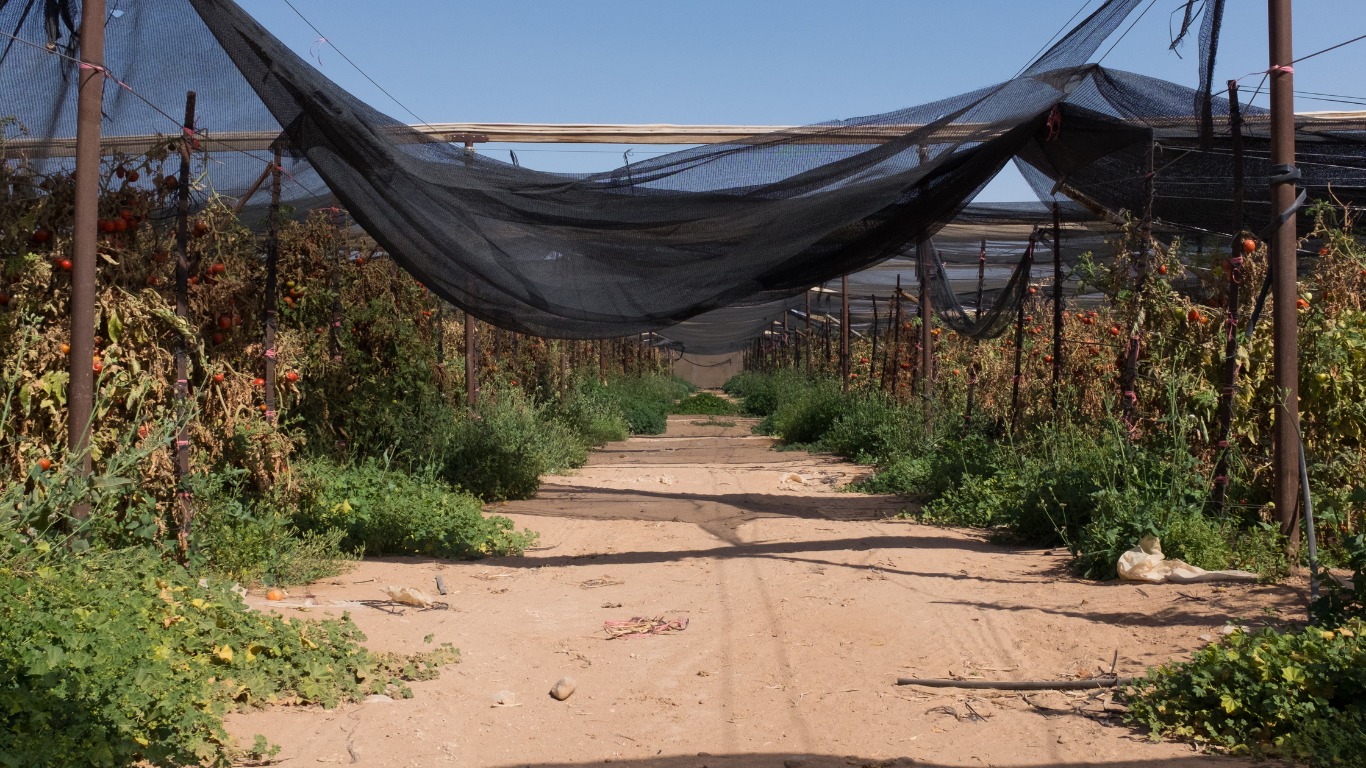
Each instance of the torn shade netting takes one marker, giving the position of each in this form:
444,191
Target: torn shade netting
658,241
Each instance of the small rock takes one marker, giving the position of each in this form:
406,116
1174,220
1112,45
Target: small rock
1206,638
378,698
1227,629
794,762
1062,739
505,699
563,688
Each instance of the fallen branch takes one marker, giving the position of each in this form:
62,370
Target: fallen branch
1018,685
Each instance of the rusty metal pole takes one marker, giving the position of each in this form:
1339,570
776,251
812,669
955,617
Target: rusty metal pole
1129,381
926,328
844,361
806,340
89,105
1019,334
471,341
896,336
471,363
973,366
1284,288
1057,307
272,286
440,333
183,268
1233,275
339,222
872,356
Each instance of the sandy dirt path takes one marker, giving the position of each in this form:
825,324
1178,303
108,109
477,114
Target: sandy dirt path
804,604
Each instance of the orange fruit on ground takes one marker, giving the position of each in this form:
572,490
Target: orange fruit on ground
275,593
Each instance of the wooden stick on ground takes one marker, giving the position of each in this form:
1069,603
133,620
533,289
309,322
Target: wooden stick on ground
1019,685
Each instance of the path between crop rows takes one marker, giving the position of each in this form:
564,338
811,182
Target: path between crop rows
803,605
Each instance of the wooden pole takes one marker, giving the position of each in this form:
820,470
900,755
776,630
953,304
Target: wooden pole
85,232
272,279
1233,275
1284,287
183,268
1057,308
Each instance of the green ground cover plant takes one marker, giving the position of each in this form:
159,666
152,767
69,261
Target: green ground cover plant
1298,694
120,658
705,404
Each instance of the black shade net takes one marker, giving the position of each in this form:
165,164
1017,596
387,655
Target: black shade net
748,225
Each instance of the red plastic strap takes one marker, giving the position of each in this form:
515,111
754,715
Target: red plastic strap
182,443
1053,126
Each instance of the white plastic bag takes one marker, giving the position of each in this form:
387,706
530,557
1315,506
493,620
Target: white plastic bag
1146,562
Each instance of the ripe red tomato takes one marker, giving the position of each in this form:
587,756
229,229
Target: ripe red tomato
1161,269
132,176
291,377
1301,304
4,299
1114,330
97,365
45,464
224,322
119,225
126,215
170,182
1249,245
260,382
64,264
218,378
40,235
219,338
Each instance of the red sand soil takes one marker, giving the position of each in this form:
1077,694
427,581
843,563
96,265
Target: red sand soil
803,606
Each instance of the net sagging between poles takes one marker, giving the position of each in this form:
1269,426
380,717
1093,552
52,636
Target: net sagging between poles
654,243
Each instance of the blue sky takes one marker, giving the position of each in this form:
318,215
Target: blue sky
751,61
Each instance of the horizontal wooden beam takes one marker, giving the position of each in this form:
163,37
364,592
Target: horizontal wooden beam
587,133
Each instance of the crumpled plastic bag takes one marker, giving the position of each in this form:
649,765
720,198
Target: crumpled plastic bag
409,596
1146,562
